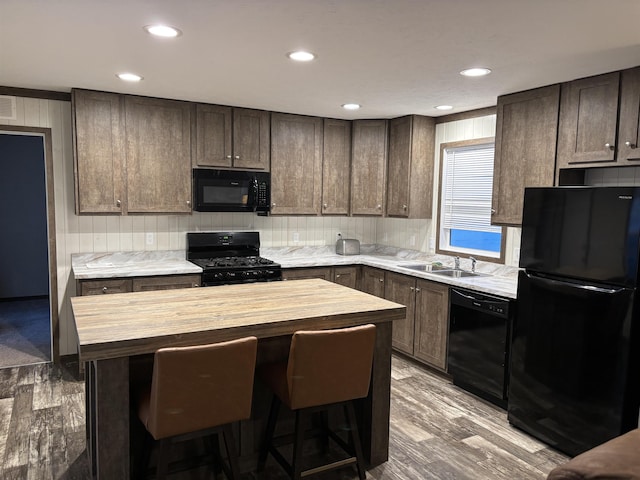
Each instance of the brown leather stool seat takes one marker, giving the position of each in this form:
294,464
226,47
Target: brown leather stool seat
325,368
617,459
199,391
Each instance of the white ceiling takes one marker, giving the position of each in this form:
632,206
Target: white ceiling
394,57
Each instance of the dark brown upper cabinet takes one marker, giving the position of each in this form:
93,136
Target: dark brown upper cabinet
336,167
410,170
227,137
525,149
132,154
369,167
296,164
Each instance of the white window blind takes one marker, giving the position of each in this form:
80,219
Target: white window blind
467,184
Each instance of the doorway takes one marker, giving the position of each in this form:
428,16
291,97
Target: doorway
28,293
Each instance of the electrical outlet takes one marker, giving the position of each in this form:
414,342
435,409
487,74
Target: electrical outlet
296,237
150,238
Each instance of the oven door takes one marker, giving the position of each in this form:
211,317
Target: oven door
224,191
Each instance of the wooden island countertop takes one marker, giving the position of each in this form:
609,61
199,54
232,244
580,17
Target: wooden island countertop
115,330
126,324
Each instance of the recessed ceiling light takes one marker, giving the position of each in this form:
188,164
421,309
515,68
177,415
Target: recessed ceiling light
301,56
351,106
475,72
129,77
162,31
444,107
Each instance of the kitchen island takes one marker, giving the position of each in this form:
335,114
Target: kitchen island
115,330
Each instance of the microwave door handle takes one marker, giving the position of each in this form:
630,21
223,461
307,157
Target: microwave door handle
254,187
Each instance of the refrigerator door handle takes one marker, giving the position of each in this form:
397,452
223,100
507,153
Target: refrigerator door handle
572,284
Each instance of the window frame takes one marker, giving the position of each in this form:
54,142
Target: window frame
443,251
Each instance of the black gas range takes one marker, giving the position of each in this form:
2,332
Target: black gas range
230,257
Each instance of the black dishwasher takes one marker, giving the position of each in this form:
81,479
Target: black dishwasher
479,329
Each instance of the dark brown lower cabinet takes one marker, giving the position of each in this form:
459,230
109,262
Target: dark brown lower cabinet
347,276
136,284
423,333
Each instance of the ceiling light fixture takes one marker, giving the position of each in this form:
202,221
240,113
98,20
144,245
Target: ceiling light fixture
443,107
129,77
301,56
350,106
475,72
162,31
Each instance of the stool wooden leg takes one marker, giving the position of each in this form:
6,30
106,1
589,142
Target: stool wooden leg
298,444
268,435
163,458
355,436
232,454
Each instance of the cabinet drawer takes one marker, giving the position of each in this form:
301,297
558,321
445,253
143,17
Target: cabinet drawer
169,282
100,287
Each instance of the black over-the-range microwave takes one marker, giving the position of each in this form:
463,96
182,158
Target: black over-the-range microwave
231,191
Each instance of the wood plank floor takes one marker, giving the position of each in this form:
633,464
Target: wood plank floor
438,431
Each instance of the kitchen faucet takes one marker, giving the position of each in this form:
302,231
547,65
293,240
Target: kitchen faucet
456,261
473,263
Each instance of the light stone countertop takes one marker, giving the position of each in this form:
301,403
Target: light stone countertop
131,264
501,280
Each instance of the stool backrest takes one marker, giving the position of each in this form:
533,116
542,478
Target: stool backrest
202,386
329,366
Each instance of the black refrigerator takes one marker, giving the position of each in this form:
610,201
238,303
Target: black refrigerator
574,380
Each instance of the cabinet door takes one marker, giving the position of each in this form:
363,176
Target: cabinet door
158,155
98,130
305,273
336,165
526,133
401,289
410,179
251,139
296,164
431,323
347,276
106,286
369,167
588,120
372,281
165,282
213,136
628,130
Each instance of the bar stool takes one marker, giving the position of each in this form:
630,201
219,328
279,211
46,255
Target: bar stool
198,391
325,368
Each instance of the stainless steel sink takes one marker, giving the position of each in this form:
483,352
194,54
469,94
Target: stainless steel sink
422,267
459,273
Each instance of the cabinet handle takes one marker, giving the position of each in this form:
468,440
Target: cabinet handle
118,203
404,207
196,284
610,146
324,205
104,289
379,207
273,204
412,288
417,289
493,210
337,275
381,279
229,157
237,157
188,202
630,145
